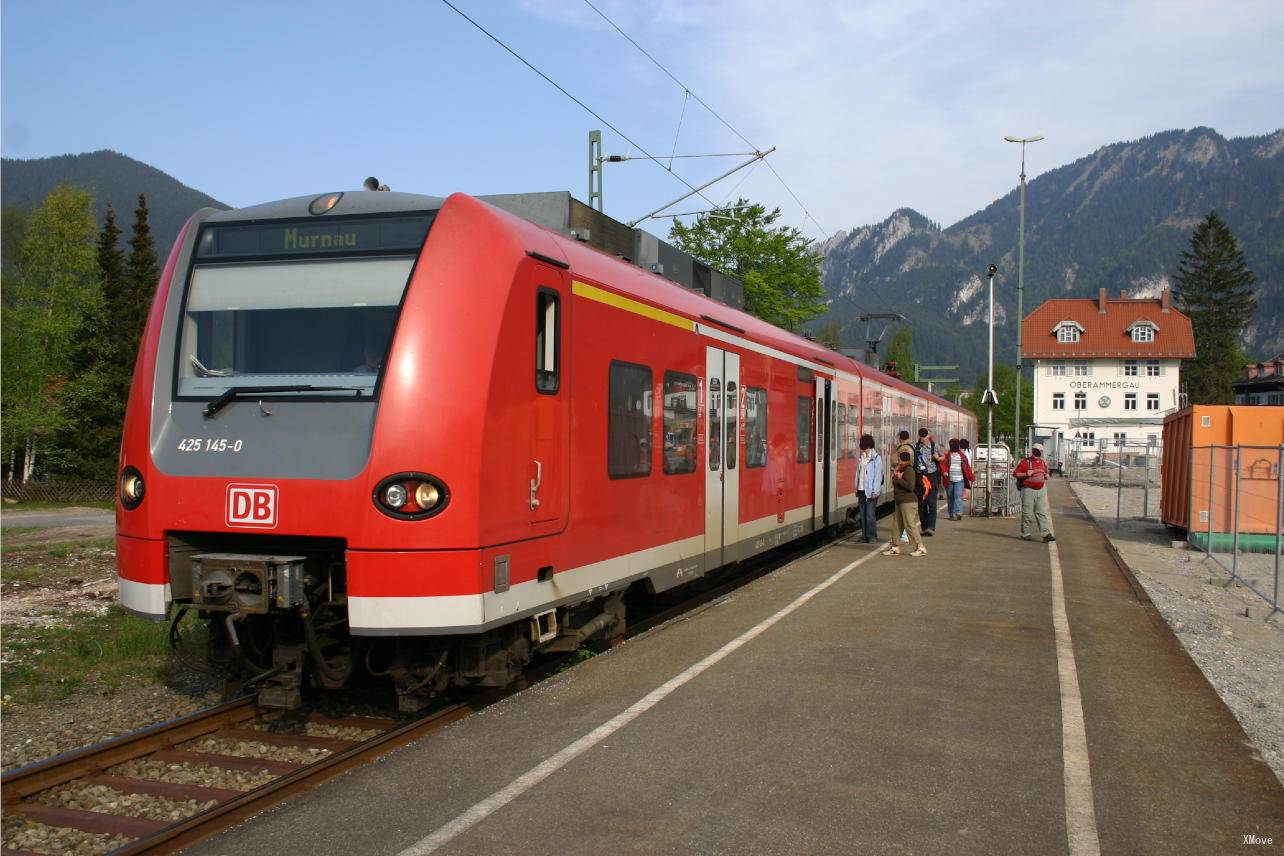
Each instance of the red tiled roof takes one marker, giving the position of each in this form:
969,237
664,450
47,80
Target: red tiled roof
1106,334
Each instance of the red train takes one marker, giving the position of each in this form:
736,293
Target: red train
393,434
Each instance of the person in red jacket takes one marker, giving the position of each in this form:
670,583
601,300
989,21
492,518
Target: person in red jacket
958,476
1032,475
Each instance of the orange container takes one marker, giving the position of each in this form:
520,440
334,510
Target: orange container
1199,471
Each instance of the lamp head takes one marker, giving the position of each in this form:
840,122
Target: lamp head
992,270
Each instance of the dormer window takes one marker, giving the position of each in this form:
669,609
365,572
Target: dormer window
1068,332
1143,331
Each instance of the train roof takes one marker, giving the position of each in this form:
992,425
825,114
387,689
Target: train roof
351,203
655,289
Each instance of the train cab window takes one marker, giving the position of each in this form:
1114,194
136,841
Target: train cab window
628,425
547,341
804,430
755,427
322,322
733,412
680,411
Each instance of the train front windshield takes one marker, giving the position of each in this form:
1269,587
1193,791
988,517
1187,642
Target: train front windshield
277,320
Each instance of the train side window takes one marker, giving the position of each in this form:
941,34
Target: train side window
680,408
755,427
804,430
547,341
715,424
733,412
628,421
842,430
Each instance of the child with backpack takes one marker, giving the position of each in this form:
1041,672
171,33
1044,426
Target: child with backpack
909,487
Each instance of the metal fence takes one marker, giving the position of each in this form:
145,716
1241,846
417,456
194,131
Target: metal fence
1120,463
59,491
1237,513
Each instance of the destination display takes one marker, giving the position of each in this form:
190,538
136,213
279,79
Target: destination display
311,238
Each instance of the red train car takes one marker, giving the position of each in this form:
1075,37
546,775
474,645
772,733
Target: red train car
423,437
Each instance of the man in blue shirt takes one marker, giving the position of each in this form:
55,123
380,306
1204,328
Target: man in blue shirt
927,461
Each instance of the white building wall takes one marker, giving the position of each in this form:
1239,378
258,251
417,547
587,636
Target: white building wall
1106,387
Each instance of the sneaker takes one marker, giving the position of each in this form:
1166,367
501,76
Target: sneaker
1049,537
892,551
1025,537
921,551
927,533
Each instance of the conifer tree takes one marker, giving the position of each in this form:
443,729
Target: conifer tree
1214,287
141,272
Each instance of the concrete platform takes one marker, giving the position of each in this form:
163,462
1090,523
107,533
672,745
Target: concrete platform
911,706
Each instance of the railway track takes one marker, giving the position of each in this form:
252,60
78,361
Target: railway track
230,737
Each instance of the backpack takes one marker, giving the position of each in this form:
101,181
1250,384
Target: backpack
922,487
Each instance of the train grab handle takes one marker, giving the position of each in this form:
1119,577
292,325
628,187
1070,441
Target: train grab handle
535,482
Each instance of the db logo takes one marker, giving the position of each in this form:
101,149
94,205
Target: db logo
251,505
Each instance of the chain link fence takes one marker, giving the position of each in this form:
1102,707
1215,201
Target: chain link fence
59,491
1237,513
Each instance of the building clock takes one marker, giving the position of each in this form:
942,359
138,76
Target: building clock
1103,402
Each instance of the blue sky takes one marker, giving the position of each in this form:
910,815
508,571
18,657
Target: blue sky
873,106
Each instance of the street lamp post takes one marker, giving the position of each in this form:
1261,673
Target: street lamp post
989,400
1016,426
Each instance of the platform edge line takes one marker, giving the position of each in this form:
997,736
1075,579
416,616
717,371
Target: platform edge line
480,811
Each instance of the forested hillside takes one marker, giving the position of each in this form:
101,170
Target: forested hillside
1118,219
112,178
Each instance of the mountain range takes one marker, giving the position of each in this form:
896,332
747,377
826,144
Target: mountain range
113,178
1118,219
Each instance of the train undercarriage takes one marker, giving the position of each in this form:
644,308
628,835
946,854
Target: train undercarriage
277,624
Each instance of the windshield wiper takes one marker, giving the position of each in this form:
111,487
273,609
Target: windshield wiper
247,391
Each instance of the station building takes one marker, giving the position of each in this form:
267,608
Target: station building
1107,369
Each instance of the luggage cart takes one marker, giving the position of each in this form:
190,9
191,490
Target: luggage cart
994,493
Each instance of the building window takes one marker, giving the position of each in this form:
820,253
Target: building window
680,393
1130,368
1143,334
1081,401
1068,334
1058,401
755,427
1081,368
1120,437
628,421
1130,401
1058,368
1152,401
804,430
1152,368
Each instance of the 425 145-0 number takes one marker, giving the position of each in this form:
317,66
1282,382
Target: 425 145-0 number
208,444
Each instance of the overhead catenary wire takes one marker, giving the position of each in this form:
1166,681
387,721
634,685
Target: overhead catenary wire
825,233
582,105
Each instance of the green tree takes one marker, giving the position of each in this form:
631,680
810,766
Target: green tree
1214,287
141,272
780,272
55,276
92,404
901,351
829,334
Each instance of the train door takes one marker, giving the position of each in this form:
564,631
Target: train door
549,470
722,464
826,497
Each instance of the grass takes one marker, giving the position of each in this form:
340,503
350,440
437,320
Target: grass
60,549
39,505
88,653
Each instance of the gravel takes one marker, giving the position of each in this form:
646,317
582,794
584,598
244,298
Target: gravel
21,834
1222,624
87,797
251,749
316,729
188,773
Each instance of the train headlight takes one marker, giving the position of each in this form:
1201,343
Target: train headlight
411,496
132,488
394,496
427,496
